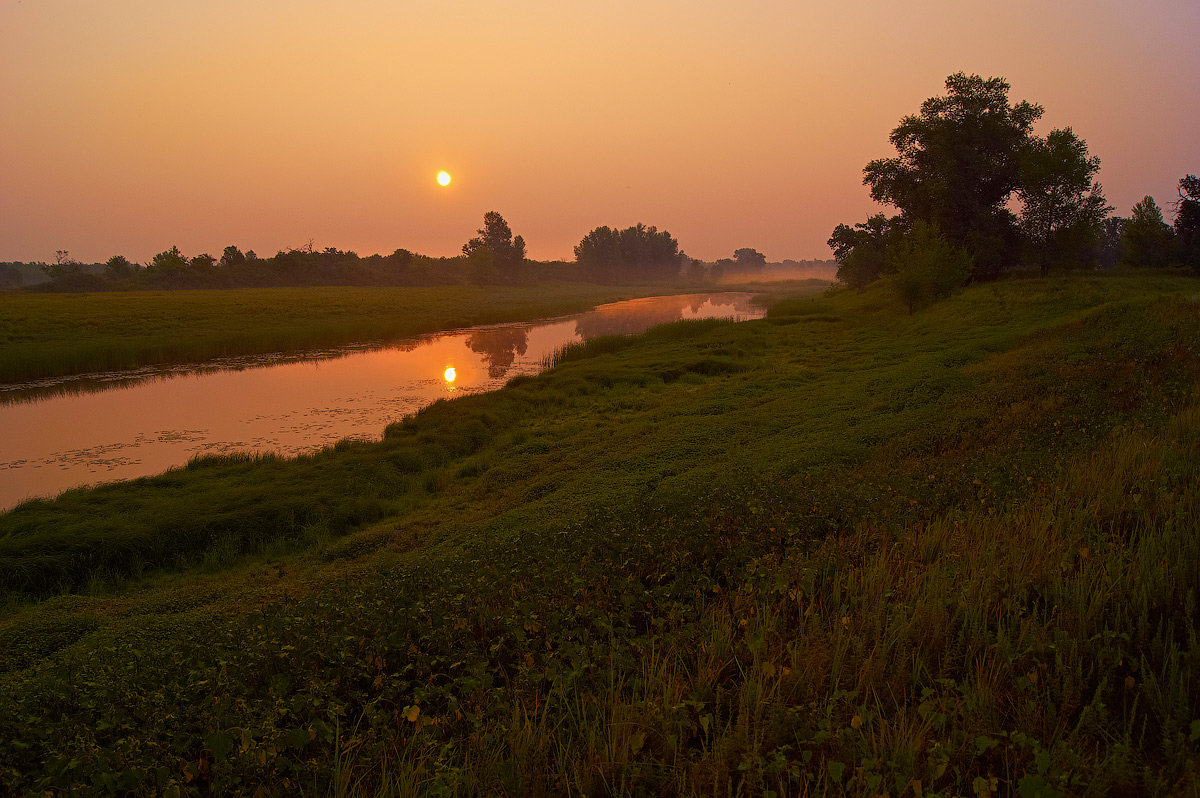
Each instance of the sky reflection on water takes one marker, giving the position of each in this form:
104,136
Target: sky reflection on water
70,434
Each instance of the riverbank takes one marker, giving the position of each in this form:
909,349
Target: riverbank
839,548
145,422
55,335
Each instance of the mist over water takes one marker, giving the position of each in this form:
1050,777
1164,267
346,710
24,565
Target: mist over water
99,428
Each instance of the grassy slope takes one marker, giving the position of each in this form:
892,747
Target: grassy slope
842,546
51,335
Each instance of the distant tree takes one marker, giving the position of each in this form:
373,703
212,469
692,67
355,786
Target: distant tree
1063,209
958,163
719,269
232,258
1146,240
168,267
697,272
748,258
637,253
1111,235
862,250
928,266
599,254
119,268
202,262
495,255
64,266
1187,221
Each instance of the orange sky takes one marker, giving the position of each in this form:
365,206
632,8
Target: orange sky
127,126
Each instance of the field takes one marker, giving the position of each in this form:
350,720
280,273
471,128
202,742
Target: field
53,335
843,548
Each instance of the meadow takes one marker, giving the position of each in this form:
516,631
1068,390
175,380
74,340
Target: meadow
840,549
54,335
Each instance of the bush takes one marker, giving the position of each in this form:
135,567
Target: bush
928,267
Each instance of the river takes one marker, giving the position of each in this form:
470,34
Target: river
60,434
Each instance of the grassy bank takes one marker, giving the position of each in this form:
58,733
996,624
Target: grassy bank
53,335
842,548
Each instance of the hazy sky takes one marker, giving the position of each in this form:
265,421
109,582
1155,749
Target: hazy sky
127,126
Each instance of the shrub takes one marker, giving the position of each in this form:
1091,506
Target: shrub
928,267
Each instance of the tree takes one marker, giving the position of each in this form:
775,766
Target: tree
958,162
636,253
232,258
599,254
1146,240
118,268
495,255
64,266
1187,221
1112,232
928,265
202,262
167,265
1063,209
749,258
862,251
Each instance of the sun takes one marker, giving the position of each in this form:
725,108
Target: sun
449,375
444,178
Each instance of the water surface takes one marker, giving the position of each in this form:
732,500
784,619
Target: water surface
59,434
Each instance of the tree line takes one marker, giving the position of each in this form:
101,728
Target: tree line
494,256
978,193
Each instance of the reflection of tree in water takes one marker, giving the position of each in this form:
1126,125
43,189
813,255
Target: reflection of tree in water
499,347
638,316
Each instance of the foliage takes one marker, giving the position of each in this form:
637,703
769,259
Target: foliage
927,266
172,270
749,258
495,256
118,268
232,258
69,272
1187,221
1063,210
1112,234
1146,240
635,254
862,251
167,264
958,162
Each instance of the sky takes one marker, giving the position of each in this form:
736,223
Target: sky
129,126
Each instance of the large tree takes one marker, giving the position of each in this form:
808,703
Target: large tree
862,250
495,255
958,162
637,253
1063,209
749,258
1146,240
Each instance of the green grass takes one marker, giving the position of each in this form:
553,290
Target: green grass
53,335
839,549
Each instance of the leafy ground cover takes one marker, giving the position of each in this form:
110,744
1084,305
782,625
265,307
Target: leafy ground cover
839,549
52,335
